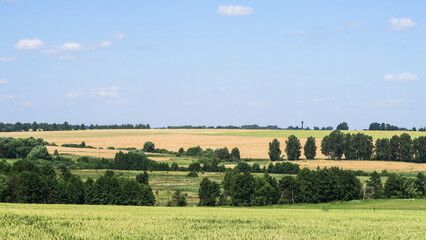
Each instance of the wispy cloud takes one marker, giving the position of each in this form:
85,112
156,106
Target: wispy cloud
400,24
403,77
353,24
28,104
106,44
6,97
7,59
118,35
29,44
3,81
111,95
234,10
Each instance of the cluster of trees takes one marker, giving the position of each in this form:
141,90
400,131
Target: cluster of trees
221,154
73,145
16,127
293,149
396,186
244,189
252,126
361,146
384,127
25,182
19,147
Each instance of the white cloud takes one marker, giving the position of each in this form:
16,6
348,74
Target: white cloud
7,59
299,33
353,24
28,104
75,95
29,44
105,44
6,97
118,35
403,77
68,58
105,92
110,95
400,24
71,46
234,10
3,81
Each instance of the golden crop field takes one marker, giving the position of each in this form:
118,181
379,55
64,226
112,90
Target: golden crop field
390,219
252,143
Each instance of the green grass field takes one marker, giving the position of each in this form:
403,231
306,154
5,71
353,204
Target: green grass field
391,219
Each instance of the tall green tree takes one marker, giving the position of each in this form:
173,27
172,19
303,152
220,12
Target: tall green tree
405,147
310,149
293,148
333,145
274,150
419,149
208,193
235,153
343,126
374,186
383,149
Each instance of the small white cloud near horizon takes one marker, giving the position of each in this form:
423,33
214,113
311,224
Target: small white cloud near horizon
118,35
110,95
353,24
299,33
71,46
28,104
6,97
7,59
3,81
234,10
403,77
29,44
106,44
400,24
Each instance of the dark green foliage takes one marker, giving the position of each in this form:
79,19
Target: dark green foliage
192,174
194,151
243,167
382,149
293,148
405,148
235,153
179,199
266,192
39,152
180,152
374,187
283,168
343,126
208,193
148,147
18,147
73,145
420,183
310,149
142,178
222,153
274,150
333,145
394,145
358,146
419,149
15,127
242,189
194,167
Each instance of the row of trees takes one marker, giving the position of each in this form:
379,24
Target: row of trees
16,127
360,146
320,186
25,182
292,149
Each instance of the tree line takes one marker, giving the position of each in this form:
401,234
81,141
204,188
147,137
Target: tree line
308,186
25,182
18,126
357,146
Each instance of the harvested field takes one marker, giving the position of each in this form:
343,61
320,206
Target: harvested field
368,166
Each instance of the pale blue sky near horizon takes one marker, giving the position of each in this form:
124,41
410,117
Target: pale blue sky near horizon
213,62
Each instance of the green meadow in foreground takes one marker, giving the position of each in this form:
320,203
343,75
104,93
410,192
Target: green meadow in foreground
384,219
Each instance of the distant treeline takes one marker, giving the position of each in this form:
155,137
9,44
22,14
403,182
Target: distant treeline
17,127
253,126
25,182
375,126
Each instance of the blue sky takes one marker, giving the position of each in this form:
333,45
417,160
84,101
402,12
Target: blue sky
213,62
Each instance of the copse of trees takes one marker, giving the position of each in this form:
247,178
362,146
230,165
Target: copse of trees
18,147
375,126
342,126
361,146
17,127
25,182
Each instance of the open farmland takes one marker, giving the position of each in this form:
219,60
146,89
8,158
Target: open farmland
391,219
252,143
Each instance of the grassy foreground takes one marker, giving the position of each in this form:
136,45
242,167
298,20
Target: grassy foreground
341,221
